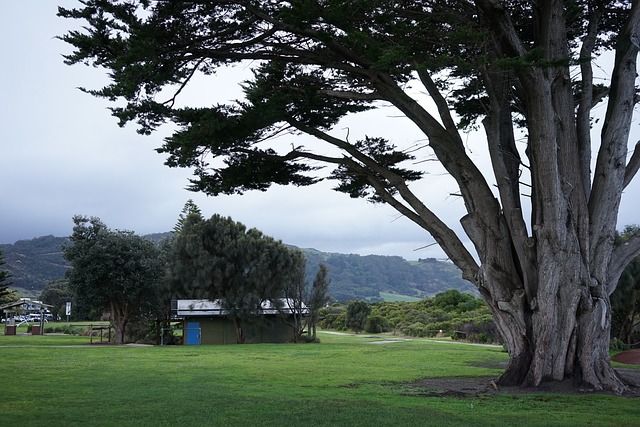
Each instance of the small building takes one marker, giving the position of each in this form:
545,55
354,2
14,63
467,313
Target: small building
207,322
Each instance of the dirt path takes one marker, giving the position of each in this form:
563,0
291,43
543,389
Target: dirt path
461,387
629,357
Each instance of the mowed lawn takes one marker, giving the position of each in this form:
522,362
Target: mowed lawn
344,381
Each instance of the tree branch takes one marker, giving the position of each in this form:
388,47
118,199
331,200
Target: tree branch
372,96
633,165
443,108
622,255
583,117
421,215
171,101
494,11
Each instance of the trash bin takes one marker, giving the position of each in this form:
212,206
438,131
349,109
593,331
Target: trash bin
10,329
35,330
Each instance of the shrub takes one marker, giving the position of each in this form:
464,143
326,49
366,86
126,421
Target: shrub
377,324
143,331
618,344
336,321
357,314
416,329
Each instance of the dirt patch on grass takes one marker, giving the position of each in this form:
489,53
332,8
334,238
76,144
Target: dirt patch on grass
473,386
629,357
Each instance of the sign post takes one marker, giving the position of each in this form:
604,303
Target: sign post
68,310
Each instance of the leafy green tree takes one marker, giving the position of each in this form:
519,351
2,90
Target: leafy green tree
455,300
11,295
357,315
57,293
247,269
542,225
5,292
295,293
220,259
319,298
113,271
376,324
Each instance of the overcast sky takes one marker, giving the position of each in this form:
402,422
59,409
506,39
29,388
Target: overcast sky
63,154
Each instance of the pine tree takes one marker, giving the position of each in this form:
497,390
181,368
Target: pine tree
190,208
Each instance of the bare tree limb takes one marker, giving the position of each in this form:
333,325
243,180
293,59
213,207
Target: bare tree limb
583,119
443,108
622,255
633,165
418,213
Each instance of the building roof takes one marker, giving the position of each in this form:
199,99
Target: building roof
204,307
24,301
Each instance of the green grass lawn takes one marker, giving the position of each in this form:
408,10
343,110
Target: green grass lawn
344,381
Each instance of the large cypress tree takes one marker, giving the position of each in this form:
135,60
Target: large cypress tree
541,223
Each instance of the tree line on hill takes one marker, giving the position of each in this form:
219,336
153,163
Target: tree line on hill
365,277
36,262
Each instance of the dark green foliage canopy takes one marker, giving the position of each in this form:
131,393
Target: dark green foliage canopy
320,295
357,315
113,271
221,259
190,208
316,65
57,293
318,299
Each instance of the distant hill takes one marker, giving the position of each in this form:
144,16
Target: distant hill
34,263
377,277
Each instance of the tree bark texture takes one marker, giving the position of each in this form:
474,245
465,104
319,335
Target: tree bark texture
119,320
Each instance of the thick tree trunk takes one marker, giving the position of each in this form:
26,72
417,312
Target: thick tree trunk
120,327
119,320
561,333
239,332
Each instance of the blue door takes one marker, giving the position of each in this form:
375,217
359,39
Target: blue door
193,333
